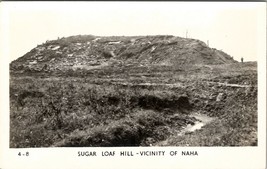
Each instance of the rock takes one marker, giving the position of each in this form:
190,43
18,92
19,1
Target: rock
149,141
220,97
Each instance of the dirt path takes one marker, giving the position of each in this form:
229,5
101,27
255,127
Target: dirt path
172,85
228,84
202,120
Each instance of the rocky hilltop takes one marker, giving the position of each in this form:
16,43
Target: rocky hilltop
91,52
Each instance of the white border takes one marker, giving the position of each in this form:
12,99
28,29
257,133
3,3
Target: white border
208,157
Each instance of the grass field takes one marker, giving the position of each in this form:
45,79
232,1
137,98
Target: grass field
135,106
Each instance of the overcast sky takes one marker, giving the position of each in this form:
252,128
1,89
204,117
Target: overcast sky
231,27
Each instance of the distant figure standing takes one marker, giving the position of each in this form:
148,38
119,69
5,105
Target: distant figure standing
242,59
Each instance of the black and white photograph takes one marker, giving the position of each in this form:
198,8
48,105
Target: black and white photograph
134,74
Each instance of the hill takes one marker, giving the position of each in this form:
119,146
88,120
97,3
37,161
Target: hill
90,52
91,91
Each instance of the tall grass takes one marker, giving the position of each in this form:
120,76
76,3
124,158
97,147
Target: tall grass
113,109
44,112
